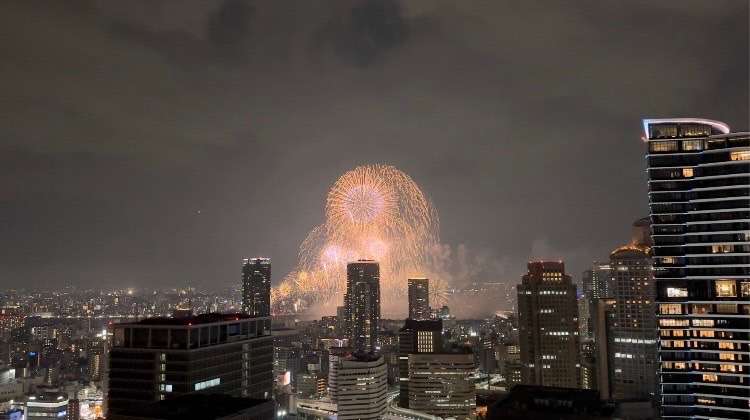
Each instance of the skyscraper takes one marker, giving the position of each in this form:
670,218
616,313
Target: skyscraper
362,302
419,298
162,358
256,286
548,326
596,286
633,333
416,337
700,213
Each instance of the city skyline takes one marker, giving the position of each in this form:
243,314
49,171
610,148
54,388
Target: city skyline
375,209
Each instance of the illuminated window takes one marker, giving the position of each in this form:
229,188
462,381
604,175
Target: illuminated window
726,308
727,368
710,377
709,401
663,146
674,322
726,288
677,292
740,155
668,260
695,130
745,288
703,322
678,333
705,333
726,345
721,249
678,343
670,308
687,172
726,356
689,145
661,131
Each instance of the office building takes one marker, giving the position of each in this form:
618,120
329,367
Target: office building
96,362
362,302
548,326
256,286
633,337
47,405
362,387
596,284
700,212
335,356
419,298
162,358
442,384
416,337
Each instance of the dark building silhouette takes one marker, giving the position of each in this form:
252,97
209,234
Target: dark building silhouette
419,298
699,197
362,303
526,402
548,326
159,359
256,286
204,407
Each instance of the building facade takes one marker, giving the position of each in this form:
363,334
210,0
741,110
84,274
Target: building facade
419,298
700,213
633,336
548,326
362,386
256,286
441,384
362,302
416,337
163,358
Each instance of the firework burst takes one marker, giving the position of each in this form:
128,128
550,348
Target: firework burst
376,212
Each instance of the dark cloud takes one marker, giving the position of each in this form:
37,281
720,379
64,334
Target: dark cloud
520,119
367,32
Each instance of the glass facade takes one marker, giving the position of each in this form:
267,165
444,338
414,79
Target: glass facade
699,196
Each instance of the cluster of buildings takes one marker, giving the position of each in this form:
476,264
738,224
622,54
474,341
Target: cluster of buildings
660,328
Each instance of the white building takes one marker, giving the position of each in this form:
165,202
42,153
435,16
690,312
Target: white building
361,387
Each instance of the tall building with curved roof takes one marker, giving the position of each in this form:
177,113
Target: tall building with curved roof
699,197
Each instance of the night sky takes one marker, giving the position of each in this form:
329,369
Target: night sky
150,143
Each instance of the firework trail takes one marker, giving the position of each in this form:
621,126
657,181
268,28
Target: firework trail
376,212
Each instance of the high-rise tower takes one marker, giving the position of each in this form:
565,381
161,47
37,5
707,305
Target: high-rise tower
632,329
362,302
548,326
256,286
419,300
700,213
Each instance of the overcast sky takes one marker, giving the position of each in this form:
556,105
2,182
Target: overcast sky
154,143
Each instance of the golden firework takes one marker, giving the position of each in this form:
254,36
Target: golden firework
376,212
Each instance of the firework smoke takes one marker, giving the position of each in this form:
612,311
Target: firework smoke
375,212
